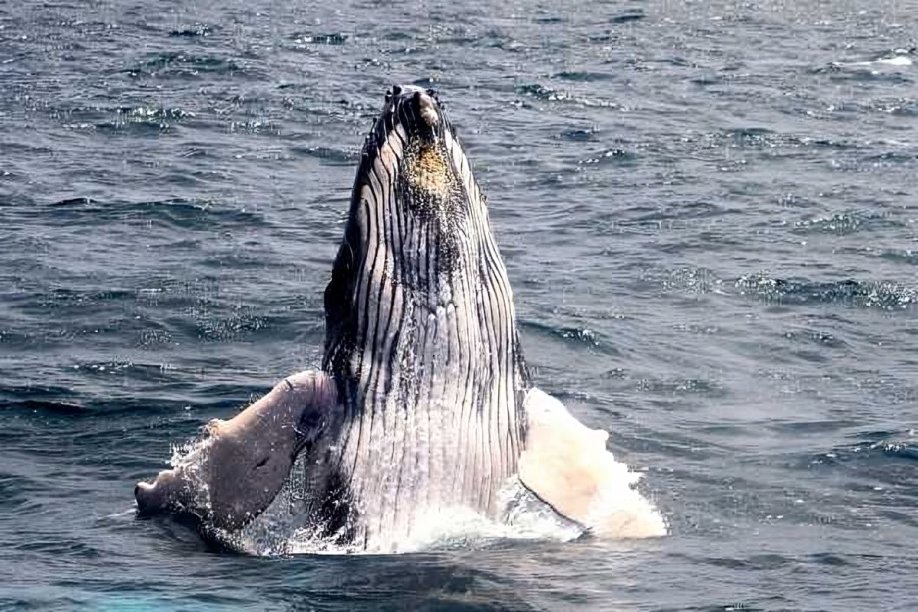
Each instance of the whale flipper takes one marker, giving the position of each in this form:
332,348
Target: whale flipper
566,464
234,472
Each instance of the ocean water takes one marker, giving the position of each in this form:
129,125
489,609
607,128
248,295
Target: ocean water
708,211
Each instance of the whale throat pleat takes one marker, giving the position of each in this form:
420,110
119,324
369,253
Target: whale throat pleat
421,328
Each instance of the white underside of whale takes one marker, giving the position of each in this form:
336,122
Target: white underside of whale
568,486
567,465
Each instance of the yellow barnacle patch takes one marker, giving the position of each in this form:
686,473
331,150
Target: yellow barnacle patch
428,169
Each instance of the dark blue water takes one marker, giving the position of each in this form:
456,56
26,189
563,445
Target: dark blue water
709,214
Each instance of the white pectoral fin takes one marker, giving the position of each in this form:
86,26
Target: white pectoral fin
566,464
236,470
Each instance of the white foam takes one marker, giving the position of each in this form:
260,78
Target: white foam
898,60
281,529
894,60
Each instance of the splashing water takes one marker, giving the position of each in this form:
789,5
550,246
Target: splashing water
286,527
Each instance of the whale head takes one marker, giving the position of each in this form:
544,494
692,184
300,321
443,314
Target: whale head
418,231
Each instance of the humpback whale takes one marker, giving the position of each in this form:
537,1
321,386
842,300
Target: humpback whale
423,401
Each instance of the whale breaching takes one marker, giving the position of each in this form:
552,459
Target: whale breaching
423,400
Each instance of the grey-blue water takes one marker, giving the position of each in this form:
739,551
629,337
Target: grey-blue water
709,214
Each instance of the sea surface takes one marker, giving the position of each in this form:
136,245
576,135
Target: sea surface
708,210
